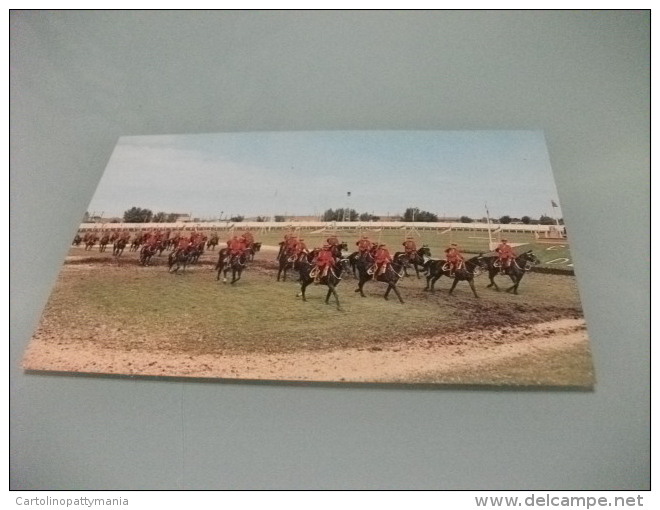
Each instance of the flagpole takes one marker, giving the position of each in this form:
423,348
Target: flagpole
490,235
554,206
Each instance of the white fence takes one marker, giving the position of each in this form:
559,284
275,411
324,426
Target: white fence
339,226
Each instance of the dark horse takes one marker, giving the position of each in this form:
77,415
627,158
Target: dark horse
415,259
331,280
179,257
393,273
146,252
77,240
118,247
469,269
288,261
516,270
234,262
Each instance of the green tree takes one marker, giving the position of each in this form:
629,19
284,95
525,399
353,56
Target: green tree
137,215
237,219
526,220
546,220
466,219
505,220
171,218
415,214
159,217
279,219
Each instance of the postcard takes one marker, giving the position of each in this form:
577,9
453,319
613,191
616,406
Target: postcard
380,257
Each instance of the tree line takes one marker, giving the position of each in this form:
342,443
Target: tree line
143,215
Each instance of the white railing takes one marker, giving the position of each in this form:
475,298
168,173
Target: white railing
340,225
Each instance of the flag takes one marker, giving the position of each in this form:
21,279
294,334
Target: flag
554,204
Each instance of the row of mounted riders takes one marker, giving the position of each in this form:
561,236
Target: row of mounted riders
153,243
373,262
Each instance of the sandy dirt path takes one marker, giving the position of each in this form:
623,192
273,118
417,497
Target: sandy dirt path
442,354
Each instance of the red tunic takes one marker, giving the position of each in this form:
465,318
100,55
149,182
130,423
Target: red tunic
505,251
382,256
453,255
324,259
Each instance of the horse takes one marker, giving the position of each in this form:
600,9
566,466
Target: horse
212,242
393,273
288,261
90,242
331,280
146,253
253,250
180,257
468,270
76,240
118,246
516,270
236,263
103,243
416,259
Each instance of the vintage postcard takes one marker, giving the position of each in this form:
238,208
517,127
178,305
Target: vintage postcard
395,257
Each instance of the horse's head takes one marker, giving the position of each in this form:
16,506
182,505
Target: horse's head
424,251
530,260
344,264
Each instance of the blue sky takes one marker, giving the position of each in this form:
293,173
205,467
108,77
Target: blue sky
450,173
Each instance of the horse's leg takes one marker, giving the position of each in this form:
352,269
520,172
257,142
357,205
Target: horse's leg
428,283
360,285
396,291
303,285
491,277
516,281
433,280
453,286
474,290
416,269
331,289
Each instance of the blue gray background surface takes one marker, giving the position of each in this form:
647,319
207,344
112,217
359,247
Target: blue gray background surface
80,80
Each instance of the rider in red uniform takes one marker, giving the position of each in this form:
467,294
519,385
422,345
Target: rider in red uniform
236,246
299,247
454,258
324,260
364,245
383,258
409,246
505,253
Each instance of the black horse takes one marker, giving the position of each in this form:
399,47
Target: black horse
179,257
287,261
393,273
253,250
331,280
468,270
212,242
146,252
516,270
77,240
226,261
415,259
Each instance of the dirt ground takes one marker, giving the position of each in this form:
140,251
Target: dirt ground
408,361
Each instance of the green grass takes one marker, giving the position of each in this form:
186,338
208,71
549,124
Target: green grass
135,307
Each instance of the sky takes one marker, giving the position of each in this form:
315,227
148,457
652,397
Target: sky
448,173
